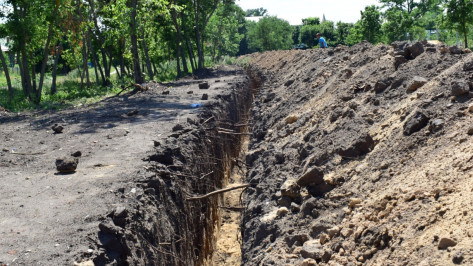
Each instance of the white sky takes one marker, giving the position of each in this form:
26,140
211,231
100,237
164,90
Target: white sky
295,10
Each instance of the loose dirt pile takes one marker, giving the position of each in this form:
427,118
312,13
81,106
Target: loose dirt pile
361,155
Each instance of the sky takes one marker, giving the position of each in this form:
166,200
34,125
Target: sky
295,10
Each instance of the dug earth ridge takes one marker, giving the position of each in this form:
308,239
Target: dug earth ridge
360,156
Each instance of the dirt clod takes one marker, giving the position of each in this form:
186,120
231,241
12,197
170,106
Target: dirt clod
67,164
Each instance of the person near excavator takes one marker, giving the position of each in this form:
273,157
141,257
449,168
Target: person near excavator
321,40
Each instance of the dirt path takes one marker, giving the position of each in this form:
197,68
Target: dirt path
48,218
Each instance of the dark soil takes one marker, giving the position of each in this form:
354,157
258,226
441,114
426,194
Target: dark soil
347,166
142,154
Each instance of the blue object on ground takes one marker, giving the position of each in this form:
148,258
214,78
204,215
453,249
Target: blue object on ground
196,105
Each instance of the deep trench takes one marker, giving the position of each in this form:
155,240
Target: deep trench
165,227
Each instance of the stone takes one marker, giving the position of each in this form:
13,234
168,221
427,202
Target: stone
289,82
177,127
460,88
67,164
282,211
416,83
309,262
205,97
431,49
132,112
468,66
324,238
334,231
166,92
76,154
190,92
109,228
354,202
455,50
415,123
415,49
470,131
313,176
57,128
295,208
290,189
381,85
458,257
436,125
313,249
204,85
291,119
446,242
346,232
399,60
470,108
120,212
359,147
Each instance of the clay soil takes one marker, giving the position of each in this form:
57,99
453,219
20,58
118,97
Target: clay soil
48,218
361,156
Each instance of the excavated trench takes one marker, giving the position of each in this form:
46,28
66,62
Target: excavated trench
173,220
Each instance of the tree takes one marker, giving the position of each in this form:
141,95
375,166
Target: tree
370,24
459,15
270,33
343,31
257,12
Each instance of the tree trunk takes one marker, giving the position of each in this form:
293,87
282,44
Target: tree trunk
134,45
122,58
178,43
26,72
191,54
22,75
85,57
46,54
54,74
93,56
7,75
148,61
154,69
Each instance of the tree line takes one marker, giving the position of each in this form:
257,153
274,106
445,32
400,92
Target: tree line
134,39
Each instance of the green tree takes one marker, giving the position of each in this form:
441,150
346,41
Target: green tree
270,33
370,24
257,12
459,15
343,31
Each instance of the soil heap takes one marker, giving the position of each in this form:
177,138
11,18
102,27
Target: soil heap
361,155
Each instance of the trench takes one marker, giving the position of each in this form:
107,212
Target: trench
165,225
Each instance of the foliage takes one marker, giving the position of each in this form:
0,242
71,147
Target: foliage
270,33
458,16
257,12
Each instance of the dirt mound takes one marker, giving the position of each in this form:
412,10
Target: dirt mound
361,155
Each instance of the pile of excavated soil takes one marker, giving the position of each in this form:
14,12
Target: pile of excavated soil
361,155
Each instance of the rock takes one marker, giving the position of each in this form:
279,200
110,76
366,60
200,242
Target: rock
166,92
120,212
284,201
431,49
313,176
399,60
444,50
190,92
324,238
309,262
468,66
334,231
376,237
416,83
359,147
460,88
109,228
436,125
313,249
337,113
470,131
291,119
289,82
76,154
205,97
445,243
177,127
57,128
346,232
290,189
381,85
458,257
85,263
470,108
415,123
354,202
132,112
282,211
295,208
204,85
309,207
455,50
415,49
67,164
